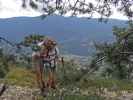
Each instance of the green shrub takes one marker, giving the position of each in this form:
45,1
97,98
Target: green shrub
68,75
75,97
3,72
105,83
4,68
21,76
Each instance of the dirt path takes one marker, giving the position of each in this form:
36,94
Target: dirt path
24,93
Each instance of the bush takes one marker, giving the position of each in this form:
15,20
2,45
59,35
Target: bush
87,82
68,75
75,97
21,76
3,72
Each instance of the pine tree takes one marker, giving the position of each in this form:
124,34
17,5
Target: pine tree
118,53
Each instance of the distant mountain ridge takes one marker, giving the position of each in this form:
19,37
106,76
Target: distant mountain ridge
75,35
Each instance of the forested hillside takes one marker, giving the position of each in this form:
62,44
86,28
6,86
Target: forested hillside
75,35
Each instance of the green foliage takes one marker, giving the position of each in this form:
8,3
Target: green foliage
32,40
4,67
95,83
77,97
3,71
82,7
69,74
21,76
114,55
73,78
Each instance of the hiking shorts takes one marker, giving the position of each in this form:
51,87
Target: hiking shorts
49,65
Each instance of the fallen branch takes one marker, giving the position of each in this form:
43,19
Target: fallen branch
3,88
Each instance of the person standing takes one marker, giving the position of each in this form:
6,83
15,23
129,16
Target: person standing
46,60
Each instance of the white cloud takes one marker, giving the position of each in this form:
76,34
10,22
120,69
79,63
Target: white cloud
12,8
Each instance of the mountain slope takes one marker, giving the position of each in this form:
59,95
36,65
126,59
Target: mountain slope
75,35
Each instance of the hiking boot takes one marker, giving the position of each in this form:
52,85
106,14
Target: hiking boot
53,86
44,92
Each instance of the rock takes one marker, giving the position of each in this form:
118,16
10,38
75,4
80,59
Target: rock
3,87
126,97
19,93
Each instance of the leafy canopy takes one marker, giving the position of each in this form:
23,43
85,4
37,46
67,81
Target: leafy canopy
118,55
84,7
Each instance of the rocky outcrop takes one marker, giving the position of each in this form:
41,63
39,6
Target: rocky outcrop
19,93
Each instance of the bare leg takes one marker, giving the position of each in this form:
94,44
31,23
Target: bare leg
51,80
39,71
38,76
42,73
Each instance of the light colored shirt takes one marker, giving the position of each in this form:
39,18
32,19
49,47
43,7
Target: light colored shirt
52,54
